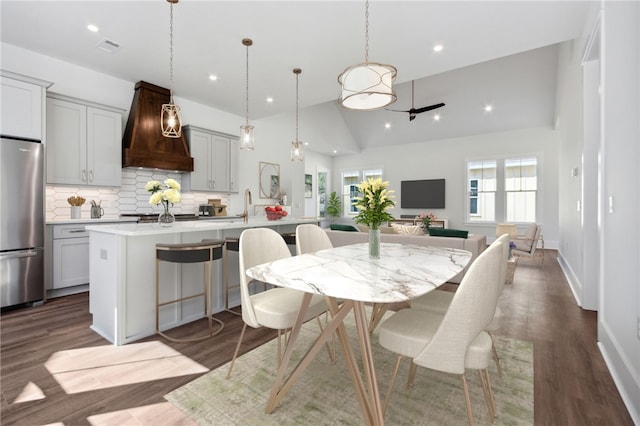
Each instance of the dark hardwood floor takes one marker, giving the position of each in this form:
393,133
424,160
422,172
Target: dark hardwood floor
572,385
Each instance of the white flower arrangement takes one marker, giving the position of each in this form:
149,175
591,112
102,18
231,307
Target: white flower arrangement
170,194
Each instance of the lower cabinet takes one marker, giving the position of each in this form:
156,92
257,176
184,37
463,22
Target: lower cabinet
70,256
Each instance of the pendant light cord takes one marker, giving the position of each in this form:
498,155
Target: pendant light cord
366,32
171,54
297,75
247,81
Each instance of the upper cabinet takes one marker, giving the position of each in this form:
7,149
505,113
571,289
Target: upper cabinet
215,161
21,111
84,143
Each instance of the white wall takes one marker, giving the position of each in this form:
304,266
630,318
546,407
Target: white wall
447,159
570,123
619,314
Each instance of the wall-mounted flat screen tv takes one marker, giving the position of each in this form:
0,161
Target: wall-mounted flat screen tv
422,194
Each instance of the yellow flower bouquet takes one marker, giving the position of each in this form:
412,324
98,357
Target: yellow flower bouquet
373,203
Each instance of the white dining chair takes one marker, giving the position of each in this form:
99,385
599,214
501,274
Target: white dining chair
454,341
438,301
276,308
310,238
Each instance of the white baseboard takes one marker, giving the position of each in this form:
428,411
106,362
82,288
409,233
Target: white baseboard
625,379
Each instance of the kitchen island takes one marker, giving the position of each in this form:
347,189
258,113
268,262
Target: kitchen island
122,265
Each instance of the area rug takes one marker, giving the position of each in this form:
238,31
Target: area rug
324,395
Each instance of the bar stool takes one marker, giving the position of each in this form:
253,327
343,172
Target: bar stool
230,244
289,238
201,252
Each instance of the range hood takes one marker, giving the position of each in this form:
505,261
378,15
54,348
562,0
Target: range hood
143,144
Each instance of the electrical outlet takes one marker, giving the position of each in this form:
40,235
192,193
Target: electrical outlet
103,254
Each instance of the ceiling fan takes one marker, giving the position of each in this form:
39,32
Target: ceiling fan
415,111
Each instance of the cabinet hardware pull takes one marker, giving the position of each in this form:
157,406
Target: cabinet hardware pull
84,175
90,175
75,231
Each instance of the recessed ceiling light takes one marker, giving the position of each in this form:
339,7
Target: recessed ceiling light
488,108
92,28
269,100
306,143
213,77
335,151
387,125
438,48
436,117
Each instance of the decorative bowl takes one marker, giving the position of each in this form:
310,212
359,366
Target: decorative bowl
272,213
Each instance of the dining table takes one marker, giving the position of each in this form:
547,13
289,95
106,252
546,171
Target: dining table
350,279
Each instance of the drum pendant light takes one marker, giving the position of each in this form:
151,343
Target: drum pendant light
368,85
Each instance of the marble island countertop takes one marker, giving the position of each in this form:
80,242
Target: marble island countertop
135,229
103,220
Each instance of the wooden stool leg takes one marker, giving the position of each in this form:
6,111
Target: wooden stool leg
225,274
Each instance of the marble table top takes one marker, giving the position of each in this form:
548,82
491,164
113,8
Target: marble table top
402,273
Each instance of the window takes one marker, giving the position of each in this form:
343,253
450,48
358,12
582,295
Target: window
481,194
473,196
350,181
521,184
503,190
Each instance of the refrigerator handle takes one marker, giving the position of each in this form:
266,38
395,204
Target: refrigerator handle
18,254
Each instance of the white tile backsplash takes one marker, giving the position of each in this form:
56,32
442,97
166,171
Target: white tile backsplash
131,197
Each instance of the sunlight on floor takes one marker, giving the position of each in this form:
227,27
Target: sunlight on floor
87,369
156,414
31,392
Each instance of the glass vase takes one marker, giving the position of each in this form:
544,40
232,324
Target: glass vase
374,243
166,219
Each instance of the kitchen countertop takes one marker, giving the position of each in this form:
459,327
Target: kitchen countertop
136,229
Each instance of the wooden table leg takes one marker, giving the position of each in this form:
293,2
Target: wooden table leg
377,312
367,362
282,385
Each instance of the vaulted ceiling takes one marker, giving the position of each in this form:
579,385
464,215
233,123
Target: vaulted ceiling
501,53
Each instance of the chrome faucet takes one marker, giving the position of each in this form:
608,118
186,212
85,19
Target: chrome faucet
247,200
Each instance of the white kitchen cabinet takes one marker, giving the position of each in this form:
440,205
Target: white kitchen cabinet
70,256
84,143
22,105
215,161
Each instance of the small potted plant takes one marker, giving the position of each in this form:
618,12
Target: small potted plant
426,220
334,207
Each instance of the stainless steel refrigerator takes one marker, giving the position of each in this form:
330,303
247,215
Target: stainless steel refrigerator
21,221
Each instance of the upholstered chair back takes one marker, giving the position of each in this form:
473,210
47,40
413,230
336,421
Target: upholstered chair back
471,311
310,238
257,246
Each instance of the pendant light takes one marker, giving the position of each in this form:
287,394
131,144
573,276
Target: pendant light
246,131
170,117
368,85
297,148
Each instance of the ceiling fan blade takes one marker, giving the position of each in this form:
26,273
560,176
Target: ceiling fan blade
428,108
397,110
